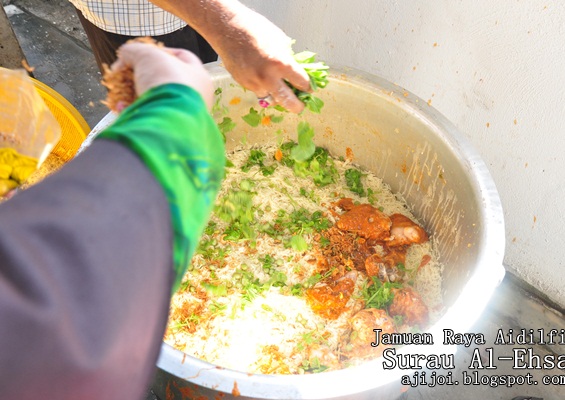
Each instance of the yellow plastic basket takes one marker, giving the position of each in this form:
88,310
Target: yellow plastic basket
74,128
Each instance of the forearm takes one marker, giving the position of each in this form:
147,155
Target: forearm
87,255
256,52
181,145
213,19
85,277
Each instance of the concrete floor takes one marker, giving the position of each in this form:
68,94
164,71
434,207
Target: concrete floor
53,42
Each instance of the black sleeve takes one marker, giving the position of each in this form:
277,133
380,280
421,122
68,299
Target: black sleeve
85,280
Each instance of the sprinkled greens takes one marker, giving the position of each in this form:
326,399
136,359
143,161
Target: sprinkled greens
318,73
353,181
378,294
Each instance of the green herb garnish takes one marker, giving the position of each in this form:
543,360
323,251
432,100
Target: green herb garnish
318,74
298,243
353,180
215,290
305,147
253,118
313,365
378,295
226,126
257,157
320,167
371,196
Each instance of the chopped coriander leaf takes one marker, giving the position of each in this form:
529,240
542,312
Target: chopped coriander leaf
268,262
310,338
353,180
320,168
313,365
371,196
217,108
298,289
277,279
286,148
311,102
210,250
305,147
318,75
185,285
257,157
226,126
324,242
210,228
236,206
253,118
217,308
239,231
215,290
277,118
268,170
298,243
378,295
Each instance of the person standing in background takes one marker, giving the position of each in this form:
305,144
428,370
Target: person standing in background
256,52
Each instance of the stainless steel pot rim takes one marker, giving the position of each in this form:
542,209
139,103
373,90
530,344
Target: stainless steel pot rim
460,317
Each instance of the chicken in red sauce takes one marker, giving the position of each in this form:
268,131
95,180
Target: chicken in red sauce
362,334
365,221
404,231
366,241
385,267
408,304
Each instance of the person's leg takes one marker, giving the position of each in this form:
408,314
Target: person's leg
187,38
104,44
207,53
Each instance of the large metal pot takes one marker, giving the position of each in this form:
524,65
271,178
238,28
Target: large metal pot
422,156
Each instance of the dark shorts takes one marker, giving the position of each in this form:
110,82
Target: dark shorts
104,44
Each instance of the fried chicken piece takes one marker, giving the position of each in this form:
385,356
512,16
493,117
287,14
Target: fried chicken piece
385,266
362,333
345,203
330,299
365,221
404,231
408,303
376,266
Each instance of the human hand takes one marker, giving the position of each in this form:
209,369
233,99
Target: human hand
150,65
259,57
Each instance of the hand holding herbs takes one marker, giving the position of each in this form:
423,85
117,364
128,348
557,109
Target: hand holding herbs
318,74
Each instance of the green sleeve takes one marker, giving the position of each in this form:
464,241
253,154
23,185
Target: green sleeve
170,129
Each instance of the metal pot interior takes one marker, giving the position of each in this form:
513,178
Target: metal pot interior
421,156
